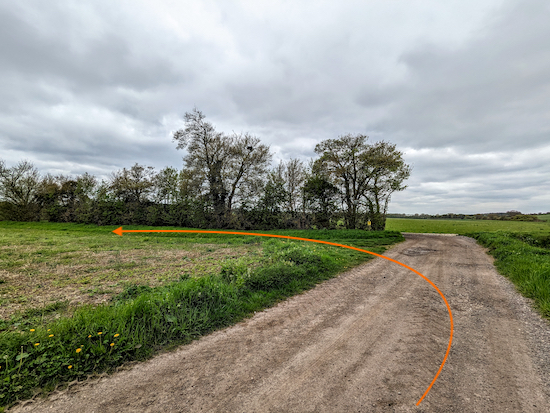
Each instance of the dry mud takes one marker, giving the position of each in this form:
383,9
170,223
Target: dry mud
370,340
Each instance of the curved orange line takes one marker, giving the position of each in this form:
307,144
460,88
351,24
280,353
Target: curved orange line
119,231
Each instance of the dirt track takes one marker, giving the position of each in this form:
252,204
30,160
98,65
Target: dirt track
370,340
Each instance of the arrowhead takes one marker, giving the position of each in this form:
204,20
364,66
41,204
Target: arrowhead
118,231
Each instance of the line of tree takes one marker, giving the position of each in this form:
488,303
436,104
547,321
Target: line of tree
227,182
498,216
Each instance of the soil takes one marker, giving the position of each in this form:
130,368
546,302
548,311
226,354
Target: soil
370,340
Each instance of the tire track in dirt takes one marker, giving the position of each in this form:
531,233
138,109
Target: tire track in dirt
370,340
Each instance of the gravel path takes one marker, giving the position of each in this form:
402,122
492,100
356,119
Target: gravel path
370,340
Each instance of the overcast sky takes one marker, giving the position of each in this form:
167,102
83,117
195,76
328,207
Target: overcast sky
461,86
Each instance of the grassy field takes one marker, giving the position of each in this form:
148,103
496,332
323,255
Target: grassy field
464,226
78,300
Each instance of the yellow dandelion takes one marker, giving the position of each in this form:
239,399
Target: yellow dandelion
49,329
51,335
70,367
78,350
116,335
112,344
89,336
32,329
100,333
36,344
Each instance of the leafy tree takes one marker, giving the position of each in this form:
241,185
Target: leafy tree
166,183
387,172
134,184
208,152
344,161
320,197
268,211
66,199
86,185
47,198
367,176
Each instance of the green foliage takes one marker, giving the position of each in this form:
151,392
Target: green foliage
320,196
527,266
236,272
225,184
365,174
132,291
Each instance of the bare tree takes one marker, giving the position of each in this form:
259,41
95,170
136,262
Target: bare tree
248,160
225,162
19,186
294,176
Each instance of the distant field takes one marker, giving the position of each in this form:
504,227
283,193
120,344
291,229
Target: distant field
460,226
544,217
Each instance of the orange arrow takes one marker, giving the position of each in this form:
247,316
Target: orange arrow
119,231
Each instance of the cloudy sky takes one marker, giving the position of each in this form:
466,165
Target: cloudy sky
461,86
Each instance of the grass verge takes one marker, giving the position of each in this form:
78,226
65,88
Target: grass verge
142,320
525,261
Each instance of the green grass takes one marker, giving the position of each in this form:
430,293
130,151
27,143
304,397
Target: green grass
464,226
142,320
42,262
521,258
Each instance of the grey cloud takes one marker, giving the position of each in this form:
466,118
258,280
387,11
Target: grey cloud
63,52
462,87
484,95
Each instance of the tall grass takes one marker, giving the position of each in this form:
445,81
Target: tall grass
526,264
142,320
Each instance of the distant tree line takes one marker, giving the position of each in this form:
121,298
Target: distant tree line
227,182
498,216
